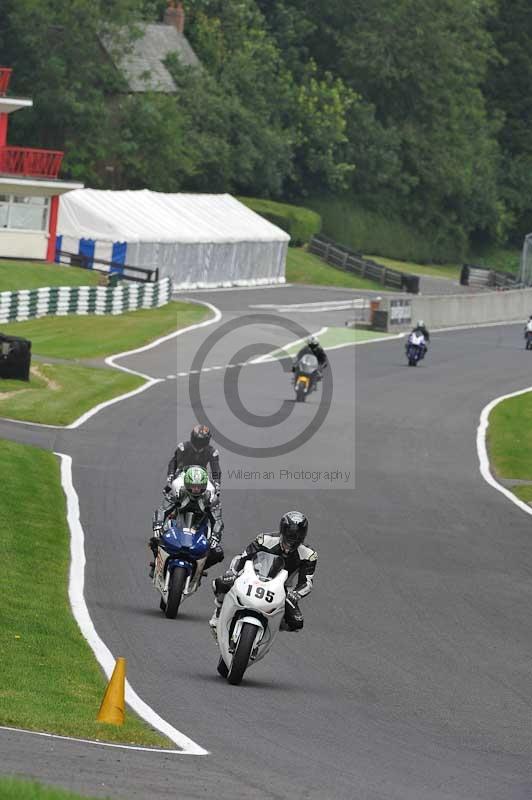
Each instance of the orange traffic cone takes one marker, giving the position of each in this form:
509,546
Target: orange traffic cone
112,708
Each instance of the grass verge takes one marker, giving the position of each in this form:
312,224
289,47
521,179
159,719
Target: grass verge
332,338
49,678
304,267
510,437
16,275
524,493
57,394
451,271
14,789
93,336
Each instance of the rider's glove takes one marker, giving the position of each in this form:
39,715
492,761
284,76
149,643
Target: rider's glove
293,597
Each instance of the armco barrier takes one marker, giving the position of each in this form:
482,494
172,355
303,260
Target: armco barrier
448,311
62,300
483,277
341,257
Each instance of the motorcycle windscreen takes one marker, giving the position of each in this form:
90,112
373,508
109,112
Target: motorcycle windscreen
308,364
267,565
178,540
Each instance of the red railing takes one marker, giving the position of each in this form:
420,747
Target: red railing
30,161
5,75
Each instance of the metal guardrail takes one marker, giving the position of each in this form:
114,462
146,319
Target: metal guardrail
473,275
126,271
344,258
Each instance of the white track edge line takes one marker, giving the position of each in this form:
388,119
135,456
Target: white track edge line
81,614
92,741
482,450
269,356
110,362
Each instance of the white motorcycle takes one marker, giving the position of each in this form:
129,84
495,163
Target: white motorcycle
251,614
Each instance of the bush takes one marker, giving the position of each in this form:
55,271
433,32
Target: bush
384,235
300,223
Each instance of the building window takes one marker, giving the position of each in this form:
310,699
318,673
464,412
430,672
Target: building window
24,213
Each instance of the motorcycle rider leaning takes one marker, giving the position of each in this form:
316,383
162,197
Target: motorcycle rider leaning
300,563
191,493
197,452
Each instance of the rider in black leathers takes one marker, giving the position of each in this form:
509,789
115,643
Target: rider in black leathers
313,347
300,562
197,452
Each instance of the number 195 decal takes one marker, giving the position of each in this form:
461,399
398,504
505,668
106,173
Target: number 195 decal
261,593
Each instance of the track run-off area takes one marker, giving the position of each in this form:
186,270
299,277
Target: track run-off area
411,679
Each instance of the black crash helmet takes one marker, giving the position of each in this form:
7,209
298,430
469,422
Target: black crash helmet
200,437
292,530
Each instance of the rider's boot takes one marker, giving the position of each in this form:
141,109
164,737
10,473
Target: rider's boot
213,622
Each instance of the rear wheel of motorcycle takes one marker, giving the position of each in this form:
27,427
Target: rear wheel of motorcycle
300,394
175,592
242,653
222,668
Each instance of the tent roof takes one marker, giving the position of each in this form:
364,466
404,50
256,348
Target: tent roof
146,216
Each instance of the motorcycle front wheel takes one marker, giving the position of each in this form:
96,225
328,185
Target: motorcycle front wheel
175,592
300,393
242,653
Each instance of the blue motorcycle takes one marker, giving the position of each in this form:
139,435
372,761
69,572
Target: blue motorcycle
181,556
415,349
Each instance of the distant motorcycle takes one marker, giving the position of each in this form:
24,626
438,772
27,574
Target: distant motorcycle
528,340
251,615
307,372
183,548
415,349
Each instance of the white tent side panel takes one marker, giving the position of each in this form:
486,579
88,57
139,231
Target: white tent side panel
197,240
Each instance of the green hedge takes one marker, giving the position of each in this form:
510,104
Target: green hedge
300,223
382,234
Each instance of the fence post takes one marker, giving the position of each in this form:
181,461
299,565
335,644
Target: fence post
344,261
383,276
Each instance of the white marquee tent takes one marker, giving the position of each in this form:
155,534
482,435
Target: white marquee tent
199,240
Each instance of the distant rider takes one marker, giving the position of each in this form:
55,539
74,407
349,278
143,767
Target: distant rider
421,330
197,452
314,348
528,327
300,562
191,492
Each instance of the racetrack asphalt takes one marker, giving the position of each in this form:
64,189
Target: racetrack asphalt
411,679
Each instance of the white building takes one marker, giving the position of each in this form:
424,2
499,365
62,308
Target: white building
29,189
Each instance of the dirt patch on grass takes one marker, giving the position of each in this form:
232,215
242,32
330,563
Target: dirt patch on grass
50,384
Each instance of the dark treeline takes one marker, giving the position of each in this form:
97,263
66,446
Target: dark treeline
418,109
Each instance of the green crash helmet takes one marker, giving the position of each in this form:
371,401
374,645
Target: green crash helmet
195,481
